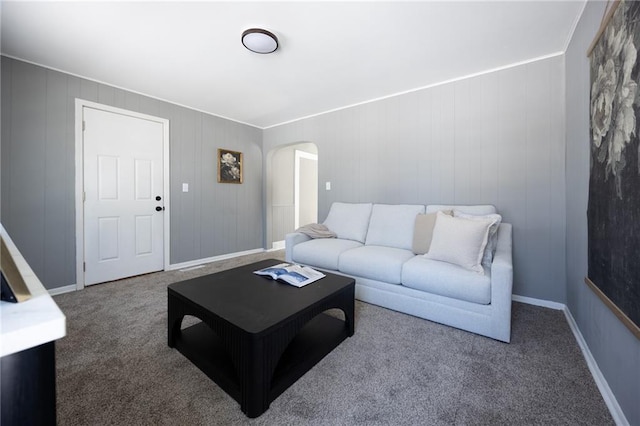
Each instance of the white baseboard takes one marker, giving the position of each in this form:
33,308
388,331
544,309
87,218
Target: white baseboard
69,288
191,263
608,396
539,302
61,290
601,382
277,245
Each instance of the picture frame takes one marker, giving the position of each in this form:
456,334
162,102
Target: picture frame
230,166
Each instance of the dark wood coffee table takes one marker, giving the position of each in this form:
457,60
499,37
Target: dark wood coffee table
258,336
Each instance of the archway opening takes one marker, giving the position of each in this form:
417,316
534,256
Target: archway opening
292,190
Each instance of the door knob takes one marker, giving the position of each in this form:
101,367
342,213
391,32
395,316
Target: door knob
159,209
158,198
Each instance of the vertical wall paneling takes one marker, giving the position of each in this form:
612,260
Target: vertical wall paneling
38,172
5,152
495,138
558,160
536,170
445,144
207,162
197,182
89,90
512,173
406,119
487,132
28,150
424,123
464,147
106,96
55,158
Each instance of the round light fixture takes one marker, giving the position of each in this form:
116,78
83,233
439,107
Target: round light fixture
259,41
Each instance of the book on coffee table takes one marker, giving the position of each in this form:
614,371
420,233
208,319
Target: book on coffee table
296,275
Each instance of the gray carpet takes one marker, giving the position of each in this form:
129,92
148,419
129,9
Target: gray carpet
114,367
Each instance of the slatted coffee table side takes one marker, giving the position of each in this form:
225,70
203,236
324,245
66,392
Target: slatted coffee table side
276,342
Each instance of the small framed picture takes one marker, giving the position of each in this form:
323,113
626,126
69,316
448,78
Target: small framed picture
229,166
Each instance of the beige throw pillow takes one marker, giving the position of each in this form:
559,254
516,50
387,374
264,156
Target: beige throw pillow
459,241
423,231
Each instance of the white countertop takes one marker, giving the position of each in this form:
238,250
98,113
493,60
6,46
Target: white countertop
33,322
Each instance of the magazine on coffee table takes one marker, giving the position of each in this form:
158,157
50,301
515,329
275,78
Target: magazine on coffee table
296,275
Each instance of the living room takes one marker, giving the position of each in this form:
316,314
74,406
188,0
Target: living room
515,136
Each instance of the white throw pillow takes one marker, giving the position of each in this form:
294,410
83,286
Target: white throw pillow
492,241
459,241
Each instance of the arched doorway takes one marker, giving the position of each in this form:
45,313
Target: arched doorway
292,190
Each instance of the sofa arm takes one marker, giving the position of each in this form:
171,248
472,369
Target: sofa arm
291,240
502,266
502,284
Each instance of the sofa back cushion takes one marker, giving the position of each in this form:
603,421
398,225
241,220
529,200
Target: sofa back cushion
392,225
475,210
349,220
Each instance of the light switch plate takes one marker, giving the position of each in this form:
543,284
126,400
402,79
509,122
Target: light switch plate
185,187
327,186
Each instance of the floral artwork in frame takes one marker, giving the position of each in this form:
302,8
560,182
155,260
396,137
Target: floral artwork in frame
229,166
613,211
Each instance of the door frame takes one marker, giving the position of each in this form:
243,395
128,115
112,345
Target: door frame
296,183
80,104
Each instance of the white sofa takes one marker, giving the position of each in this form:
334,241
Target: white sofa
374,245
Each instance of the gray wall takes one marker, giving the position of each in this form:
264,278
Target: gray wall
496,139
614,348
38,172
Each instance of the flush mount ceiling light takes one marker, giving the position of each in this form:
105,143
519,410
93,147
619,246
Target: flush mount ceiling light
259,41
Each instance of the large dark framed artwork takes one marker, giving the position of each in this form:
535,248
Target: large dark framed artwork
613,212
229,166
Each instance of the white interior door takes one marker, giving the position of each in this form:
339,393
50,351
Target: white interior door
123,179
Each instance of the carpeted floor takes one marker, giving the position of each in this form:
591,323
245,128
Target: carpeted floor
115,368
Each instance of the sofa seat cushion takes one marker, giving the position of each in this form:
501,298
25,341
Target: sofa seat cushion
446,279
375,262
322,253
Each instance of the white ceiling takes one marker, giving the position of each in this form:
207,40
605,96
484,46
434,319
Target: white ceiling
331,55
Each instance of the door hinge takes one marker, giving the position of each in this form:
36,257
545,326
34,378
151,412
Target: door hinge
84,125
84,266
84,196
